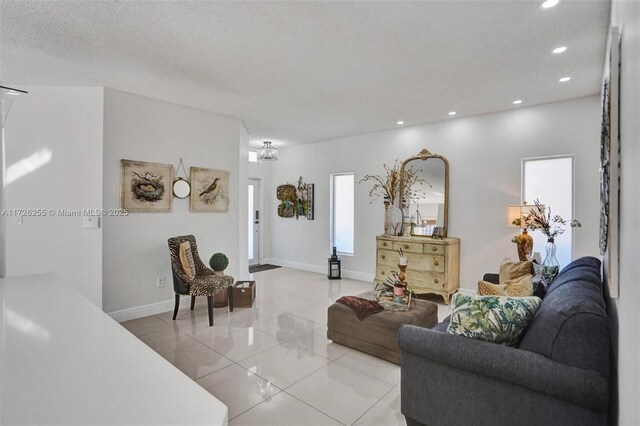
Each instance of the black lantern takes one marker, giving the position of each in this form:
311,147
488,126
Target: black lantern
334,266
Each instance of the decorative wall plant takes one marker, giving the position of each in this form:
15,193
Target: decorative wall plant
295,201
287,196
301,199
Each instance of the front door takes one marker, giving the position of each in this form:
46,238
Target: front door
254,221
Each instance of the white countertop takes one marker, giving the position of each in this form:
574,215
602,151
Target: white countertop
64,361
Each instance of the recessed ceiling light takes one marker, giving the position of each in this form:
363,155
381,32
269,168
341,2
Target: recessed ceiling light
559,49
400,123
452,113
563,79
517,101
549,3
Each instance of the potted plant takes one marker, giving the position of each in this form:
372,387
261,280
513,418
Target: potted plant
551,226
219,262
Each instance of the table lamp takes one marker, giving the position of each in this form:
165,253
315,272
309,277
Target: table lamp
516,218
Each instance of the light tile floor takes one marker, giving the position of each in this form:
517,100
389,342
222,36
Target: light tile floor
272,364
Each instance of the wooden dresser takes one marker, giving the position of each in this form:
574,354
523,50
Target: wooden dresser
434,265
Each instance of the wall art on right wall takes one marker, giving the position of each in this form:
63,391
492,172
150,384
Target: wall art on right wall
310,194
610,168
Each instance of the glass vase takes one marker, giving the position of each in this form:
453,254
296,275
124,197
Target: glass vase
550,265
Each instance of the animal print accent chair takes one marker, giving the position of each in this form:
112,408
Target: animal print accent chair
205,282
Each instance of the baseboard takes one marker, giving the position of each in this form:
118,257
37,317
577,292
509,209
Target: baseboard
296,265
354,275
167,305
360,276
146,310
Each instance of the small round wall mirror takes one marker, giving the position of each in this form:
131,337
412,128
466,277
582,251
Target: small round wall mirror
181,188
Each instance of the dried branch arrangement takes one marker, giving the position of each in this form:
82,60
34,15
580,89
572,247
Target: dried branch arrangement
540,218
388,187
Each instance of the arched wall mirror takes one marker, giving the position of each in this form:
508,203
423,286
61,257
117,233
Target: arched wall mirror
424,190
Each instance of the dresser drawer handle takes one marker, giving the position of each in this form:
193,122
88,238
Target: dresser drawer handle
384,244
435,262
435,281
406,246
382,273
434,248
383,257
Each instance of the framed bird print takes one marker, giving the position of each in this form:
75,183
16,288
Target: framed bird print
145,187
209,190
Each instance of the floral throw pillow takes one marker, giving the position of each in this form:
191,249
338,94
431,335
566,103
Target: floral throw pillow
496,319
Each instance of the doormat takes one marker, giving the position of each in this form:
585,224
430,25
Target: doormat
260,268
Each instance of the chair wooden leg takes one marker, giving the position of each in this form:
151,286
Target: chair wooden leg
210,306
175,310
193,302
230,297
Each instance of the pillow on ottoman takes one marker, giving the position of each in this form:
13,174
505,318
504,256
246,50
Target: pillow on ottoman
362,307
491,318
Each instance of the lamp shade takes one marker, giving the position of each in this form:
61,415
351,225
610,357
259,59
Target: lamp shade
518,211
267,152
513,213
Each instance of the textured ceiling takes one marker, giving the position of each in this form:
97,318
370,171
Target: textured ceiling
299,72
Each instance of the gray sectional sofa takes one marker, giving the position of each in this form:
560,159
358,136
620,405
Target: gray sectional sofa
558,374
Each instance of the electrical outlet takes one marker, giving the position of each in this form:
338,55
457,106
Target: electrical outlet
160,282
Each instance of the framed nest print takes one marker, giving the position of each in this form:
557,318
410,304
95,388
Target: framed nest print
145,187
209,190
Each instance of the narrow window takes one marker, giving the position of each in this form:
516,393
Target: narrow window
253,156
342,212
550,180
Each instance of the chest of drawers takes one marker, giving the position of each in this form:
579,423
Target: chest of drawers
433,265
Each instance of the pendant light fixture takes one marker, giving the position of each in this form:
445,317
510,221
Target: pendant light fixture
267,152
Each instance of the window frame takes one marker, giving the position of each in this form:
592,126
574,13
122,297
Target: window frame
572,157
332,213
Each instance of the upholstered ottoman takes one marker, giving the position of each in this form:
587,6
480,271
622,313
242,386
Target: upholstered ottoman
377,334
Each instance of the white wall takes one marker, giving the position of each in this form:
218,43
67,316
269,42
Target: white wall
484,154
66,124
135,247
626,15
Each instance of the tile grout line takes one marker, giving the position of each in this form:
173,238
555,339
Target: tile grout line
318,410
289,292
376,403
363,372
